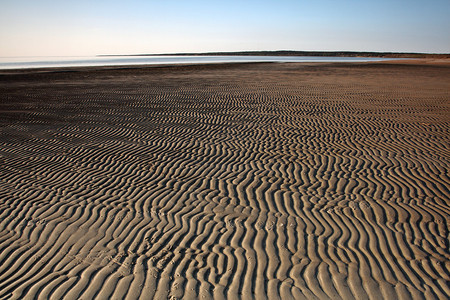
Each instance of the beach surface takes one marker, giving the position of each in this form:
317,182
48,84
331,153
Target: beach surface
226,181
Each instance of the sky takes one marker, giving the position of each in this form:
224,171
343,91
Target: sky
93,27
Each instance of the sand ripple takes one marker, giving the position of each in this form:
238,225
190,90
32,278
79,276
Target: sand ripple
259,181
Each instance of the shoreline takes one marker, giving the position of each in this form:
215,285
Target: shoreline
393,61
167,60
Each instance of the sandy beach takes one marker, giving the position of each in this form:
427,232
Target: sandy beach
227,181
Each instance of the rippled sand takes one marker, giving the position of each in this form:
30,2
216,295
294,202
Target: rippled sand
302,181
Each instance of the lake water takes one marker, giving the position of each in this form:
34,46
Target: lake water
85,61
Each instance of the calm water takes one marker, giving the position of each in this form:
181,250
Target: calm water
84,61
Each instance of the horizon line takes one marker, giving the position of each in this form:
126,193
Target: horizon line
288,53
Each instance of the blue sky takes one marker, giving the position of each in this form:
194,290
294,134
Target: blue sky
46,27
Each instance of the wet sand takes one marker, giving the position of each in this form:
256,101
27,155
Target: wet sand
291,181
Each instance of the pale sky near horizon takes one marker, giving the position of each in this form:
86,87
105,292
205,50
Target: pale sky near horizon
90,27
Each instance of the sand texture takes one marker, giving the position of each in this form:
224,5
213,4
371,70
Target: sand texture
241,181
